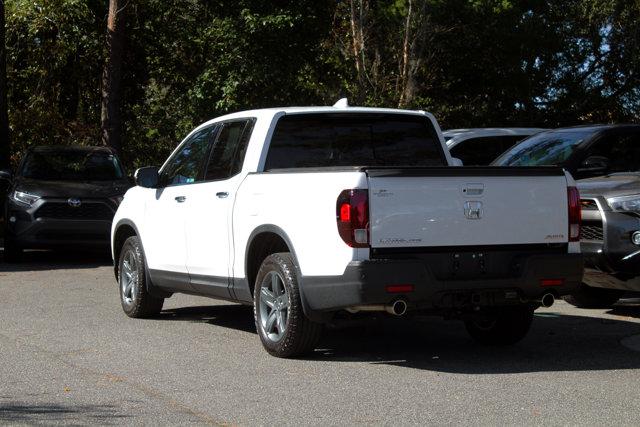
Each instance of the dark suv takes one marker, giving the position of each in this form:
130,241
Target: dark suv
62,196
605,160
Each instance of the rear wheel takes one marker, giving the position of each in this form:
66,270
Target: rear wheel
590,297
501,327
132,282
280,321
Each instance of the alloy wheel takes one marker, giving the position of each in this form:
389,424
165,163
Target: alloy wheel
129,278
274,306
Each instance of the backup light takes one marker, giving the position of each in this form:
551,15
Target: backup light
575,214
352,217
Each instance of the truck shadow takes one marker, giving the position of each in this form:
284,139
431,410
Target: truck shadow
59,259
556,342
235,316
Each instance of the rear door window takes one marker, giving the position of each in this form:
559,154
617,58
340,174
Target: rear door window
227,153
353,139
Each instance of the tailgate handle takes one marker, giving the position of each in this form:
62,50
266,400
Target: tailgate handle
473,190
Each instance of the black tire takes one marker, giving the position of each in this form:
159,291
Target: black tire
300,335
590,297
502,327
12,252
136,300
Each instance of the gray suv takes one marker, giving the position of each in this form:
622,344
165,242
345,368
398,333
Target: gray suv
605,160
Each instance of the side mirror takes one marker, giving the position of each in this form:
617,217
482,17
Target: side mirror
147,177
456,162
595,165
6,175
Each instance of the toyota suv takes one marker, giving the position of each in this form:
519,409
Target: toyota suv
62,196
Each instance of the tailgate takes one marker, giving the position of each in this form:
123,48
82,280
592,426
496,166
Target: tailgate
458,206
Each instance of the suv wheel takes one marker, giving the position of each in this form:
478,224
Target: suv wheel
590,297
282,326
501,327
132,282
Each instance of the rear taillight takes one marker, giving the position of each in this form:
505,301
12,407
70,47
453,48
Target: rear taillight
575,214
352,215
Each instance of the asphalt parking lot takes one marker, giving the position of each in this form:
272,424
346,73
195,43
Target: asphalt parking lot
69,355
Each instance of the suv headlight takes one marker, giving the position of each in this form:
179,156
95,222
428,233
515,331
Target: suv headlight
625,203
23,198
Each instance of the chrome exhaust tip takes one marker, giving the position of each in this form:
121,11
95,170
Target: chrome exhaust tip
547,300
398,308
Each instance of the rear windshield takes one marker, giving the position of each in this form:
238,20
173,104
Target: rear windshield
70,165
330,140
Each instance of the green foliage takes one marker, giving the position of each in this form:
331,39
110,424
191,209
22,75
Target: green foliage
470,62
54,51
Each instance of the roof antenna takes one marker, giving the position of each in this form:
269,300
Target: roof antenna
342,103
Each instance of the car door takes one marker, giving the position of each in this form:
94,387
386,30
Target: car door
210,203
165,214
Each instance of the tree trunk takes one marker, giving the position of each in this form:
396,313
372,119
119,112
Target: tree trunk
111,77
4,114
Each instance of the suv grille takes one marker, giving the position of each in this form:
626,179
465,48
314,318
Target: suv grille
88,211
592,232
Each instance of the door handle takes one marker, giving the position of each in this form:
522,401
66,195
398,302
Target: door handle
222,194
180,199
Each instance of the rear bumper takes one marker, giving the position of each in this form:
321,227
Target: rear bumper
365,282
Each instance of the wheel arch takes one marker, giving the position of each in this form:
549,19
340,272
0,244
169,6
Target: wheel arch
122,231
263,241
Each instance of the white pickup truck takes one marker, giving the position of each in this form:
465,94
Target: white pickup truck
312,211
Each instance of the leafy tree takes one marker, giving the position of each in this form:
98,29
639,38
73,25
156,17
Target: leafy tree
470,62
54,53
4,115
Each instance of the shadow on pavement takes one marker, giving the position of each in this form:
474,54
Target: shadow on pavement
57,260
557,341
236,316
81,414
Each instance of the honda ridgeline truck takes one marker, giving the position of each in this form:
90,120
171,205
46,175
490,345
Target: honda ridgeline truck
312,211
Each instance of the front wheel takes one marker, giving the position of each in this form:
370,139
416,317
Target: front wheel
283,328
501,327
590,297
132,282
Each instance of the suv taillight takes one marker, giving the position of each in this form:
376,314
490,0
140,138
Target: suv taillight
575,214
352,215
